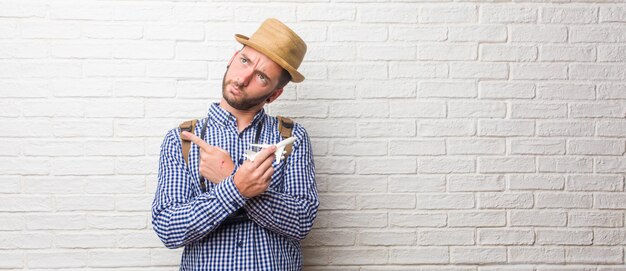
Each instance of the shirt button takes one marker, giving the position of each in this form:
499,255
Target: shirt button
240,244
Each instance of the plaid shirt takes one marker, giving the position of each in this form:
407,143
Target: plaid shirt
182,215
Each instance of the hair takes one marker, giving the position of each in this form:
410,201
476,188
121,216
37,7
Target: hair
285,77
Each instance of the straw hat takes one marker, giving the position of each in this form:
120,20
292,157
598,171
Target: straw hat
278,42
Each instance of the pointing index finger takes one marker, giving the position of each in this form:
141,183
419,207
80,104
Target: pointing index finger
196,140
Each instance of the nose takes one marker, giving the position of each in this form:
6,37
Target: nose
245,76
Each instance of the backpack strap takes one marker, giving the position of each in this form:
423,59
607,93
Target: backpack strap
189,126
285,127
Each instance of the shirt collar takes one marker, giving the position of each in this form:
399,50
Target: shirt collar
220,115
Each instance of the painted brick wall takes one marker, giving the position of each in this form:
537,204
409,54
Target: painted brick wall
448,135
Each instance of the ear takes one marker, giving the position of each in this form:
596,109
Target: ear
274,95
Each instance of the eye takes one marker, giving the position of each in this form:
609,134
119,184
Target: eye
262,78
243,60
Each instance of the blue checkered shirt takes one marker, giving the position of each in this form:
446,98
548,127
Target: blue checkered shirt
183,215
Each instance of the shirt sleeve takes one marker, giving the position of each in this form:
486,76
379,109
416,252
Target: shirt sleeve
290,213
180,216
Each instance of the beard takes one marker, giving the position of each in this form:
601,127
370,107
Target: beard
244,102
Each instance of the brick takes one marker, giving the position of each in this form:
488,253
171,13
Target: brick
447,51
360,71
447,89
114,147
565,128
24,50
114,109
452,14
201,12
359,148
117,221
355,256
597,72
595,219
53,148
611,53
54,108
81,88
26,203
83,166
417,147
476,146
394,89
198,89
563,200
10,185
538,110
144,127
317,256
509,164
50,30
164,257
467,183
326,91
496,200
480,33
507,14
342,109
446,164
481,218
612,14
387,52
417,33
538,71
326,13
386,166
114,69
447,237
420,183
565,164
597,110
569,15
445,201
55,222
596,147
142,12
564,237
560,91
259,13
81,50
534,33
177,69
610,201
337,201
118,30
124,258
499,90
382,129
85,240
10,109
567,53
17,9
330,238
482,70
388,14
387,238
371,184
386,201
594,255
23,166
180,31
536,182
357,33
424,70
538,218
603,236
426,255
595,183
473,255
610,165
332,129
537,146
359,219
542,255
417,219
133,203
593,33
506,127
505,237
499,52
173,109
441,128
53,259
12,259
339,53
16,241
138,239
84,203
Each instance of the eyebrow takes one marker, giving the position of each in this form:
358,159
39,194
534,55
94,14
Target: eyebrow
257,70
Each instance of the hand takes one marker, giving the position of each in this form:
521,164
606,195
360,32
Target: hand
215,163
253,178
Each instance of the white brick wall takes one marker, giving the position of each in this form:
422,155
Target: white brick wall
465,136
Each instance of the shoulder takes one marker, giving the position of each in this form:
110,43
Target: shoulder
298,131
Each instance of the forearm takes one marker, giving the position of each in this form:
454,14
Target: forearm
178,224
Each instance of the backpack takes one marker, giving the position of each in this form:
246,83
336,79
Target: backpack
285,127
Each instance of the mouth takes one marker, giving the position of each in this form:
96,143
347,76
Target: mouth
234,90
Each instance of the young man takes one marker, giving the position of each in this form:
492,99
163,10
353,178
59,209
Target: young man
231,213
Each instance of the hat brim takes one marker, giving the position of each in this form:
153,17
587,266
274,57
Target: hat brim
296,77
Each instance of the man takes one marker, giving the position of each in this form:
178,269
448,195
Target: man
231,213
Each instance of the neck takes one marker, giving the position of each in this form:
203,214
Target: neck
244,117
